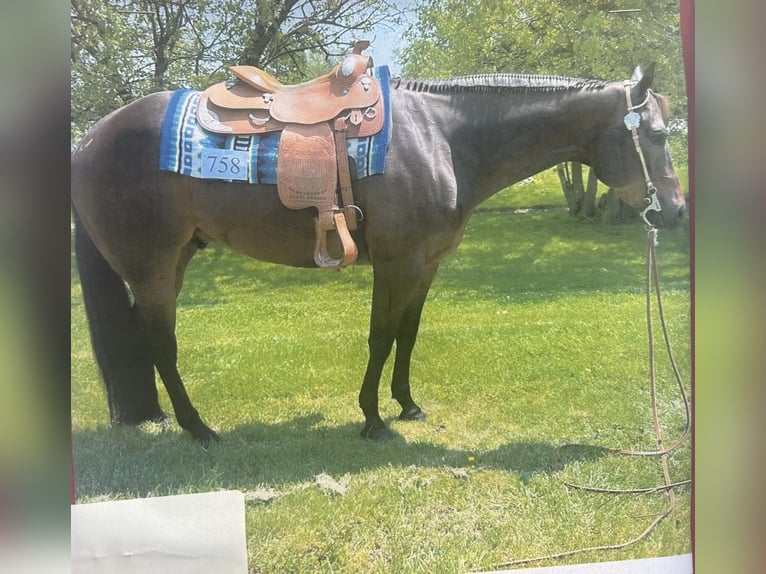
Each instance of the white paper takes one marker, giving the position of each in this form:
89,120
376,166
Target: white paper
679,564
185,534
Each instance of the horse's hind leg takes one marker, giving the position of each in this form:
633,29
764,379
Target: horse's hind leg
156,302
397,288
405,343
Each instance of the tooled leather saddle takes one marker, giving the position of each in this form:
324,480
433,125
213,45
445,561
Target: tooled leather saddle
315,119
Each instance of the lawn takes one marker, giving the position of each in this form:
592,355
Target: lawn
534,335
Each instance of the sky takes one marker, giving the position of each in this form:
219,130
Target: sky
385,41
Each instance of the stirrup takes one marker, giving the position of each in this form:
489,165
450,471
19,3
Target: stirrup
328,221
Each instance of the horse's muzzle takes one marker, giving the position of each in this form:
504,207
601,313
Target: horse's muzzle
669,216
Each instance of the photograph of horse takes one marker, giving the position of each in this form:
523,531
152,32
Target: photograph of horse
453,144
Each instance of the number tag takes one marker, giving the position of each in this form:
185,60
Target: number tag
224,164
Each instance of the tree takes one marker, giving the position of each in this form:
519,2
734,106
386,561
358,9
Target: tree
599,39
286,32
122,49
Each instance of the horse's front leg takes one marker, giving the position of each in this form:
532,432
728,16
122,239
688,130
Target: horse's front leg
396,285
405,343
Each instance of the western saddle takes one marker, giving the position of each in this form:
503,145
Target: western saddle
315,119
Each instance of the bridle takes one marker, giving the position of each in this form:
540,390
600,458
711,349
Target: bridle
632,121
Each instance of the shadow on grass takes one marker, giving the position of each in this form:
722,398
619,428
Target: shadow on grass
218,273
139,463
551,255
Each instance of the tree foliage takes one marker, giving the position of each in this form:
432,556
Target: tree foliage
123,49
561,37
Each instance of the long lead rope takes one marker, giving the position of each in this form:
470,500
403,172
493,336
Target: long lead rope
652,277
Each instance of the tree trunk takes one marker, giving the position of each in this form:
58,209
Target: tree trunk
160,69
588,209
568,186
578,198
611,209
583,202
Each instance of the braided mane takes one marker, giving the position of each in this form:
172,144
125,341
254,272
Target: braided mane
501,83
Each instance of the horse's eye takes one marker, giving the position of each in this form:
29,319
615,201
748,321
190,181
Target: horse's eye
658,137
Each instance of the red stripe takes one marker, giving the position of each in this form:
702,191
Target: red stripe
687,41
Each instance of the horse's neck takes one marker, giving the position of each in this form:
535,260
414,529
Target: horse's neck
497,140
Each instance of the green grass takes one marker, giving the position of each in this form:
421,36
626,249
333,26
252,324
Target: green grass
534,335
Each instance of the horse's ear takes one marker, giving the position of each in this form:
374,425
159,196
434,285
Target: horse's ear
644,79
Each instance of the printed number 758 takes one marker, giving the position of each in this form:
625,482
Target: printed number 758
223,164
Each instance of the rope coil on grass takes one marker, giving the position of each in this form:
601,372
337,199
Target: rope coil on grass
652,277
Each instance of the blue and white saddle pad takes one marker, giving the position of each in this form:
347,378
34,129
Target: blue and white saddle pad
184,144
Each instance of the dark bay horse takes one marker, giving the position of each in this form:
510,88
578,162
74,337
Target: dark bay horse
454,144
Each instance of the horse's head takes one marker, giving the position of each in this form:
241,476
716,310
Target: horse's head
639,172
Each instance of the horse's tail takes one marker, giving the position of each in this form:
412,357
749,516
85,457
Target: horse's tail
119,344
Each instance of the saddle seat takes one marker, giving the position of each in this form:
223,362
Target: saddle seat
315,118
258,103
265,82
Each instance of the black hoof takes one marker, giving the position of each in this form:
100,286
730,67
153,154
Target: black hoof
205,435
155,415
412,413
162,419
378,432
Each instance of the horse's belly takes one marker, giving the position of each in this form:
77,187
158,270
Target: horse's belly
255,223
